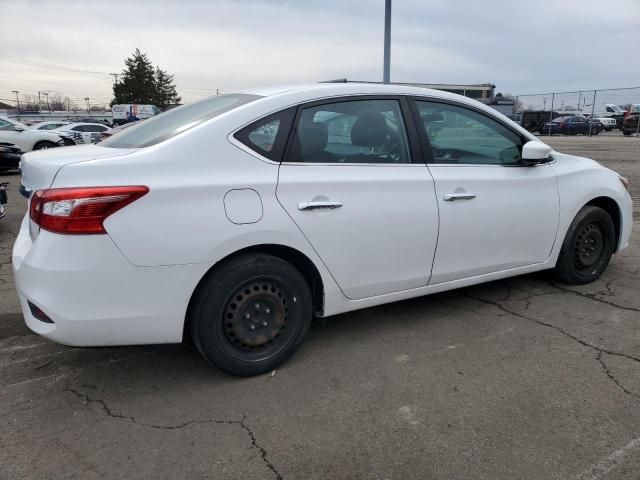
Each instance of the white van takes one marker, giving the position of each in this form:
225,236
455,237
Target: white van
125,113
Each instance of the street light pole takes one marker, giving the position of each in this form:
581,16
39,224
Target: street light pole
17,102
386,73
46,94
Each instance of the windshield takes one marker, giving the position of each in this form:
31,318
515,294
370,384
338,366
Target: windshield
166,125
8,124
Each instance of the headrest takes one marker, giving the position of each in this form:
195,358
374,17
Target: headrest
313,137
370,130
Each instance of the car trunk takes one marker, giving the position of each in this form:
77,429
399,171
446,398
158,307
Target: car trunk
39,168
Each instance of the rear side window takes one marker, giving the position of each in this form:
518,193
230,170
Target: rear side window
177,120
268,136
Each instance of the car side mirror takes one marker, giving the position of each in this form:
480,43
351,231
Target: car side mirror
535,153
16,128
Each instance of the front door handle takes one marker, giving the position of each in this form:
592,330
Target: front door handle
450,197
317,205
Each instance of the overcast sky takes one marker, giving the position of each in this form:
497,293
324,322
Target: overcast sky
521,46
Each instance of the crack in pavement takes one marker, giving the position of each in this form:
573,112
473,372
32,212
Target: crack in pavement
599,350
241,423
592,296
612,377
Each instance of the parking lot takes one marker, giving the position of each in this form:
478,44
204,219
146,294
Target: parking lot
518,379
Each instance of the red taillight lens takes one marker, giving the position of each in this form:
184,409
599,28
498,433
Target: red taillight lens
80,210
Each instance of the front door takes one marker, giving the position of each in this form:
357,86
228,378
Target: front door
495,214
352,185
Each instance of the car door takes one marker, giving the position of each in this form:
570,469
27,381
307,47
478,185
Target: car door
359,191
495,214
579,125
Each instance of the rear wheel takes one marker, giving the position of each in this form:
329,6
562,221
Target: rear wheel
587,247
44,144
251,314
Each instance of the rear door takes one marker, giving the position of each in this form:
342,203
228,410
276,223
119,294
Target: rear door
495,213
356,185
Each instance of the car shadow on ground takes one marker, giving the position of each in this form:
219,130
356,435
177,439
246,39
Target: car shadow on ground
431,318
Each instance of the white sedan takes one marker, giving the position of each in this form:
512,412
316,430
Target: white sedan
236,219
27,138
49,125
82,133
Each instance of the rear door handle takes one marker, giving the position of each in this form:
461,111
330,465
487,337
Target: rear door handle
450,197
317,205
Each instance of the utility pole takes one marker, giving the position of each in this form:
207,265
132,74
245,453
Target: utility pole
17,102
39,103
386,73
88,105
115,77
68,104
48,108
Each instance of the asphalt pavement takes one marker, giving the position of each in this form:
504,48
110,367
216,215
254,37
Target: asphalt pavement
517,379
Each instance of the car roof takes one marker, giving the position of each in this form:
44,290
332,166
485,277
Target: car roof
76,124
329,89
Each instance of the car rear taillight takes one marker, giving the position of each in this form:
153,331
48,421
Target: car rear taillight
80,210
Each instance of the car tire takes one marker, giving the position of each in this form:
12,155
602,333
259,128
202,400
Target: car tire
626,133
251,314
44,144
587,247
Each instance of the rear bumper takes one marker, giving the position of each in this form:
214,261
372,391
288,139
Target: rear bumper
94,296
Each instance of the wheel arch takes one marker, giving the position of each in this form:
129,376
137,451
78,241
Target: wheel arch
289,254
610,206
35,145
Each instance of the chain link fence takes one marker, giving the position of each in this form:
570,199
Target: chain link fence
621,105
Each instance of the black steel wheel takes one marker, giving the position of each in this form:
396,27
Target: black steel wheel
587,248
251,314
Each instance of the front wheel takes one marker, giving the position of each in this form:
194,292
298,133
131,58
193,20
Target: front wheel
44,144
251,314
587,247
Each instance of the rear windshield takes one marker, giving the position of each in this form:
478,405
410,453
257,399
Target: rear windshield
166,125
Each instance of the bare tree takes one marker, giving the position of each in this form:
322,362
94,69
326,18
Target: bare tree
29,102
57,103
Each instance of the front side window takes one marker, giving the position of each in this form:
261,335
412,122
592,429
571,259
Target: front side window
4,125
459,135
177,120
359,131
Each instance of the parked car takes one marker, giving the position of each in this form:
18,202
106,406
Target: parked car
50,125
571,126
108,133
610,110
630,123
3,199
236,219
81,133
9,156
607,123
26,138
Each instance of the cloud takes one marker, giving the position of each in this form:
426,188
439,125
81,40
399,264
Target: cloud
519,46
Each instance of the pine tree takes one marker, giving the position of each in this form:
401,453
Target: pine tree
166,92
